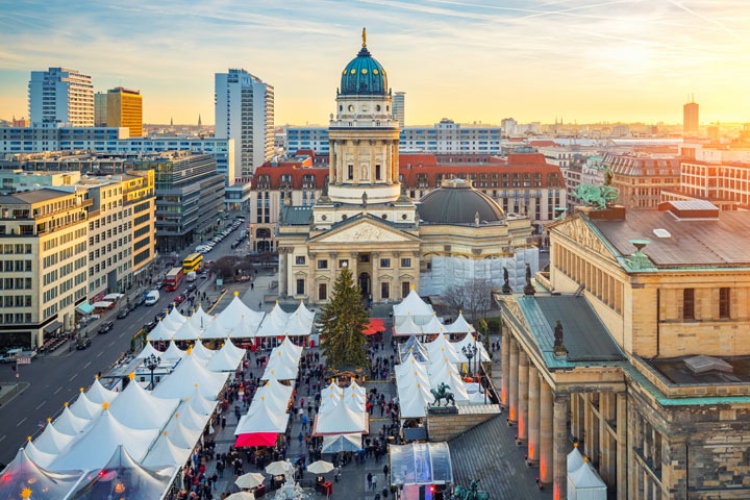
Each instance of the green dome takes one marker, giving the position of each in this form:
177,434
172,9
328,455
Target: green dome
364,76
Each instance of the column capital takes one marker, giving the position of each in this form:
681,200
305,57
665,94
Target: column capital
375,255
333,255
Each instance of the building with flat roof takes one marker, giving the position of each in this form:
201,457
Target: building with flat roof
61,95
244,108
125,109
44,236
399,108
690,118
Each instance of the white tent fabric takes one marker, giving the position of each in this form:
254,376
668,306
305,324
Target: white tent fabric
40,458
176,317
181,435
164,453
188,373
69,423
284,392
138,409
23,471
226,359
264,419
149,350
575,460
414,399
199,319
236,312
173,353
298,325
53,441
98,394
170,324
161,332
407,326
190,418
215,330
434,326
186,332
200,404
94,449
341,419
244,330
441,349
585,484
280,370
202,351
413,305
273,402
84,408
460,325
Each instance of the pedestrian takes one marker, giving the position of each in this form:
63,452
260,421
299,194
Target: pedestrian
337,475
223,422
385,471
304,422
374,482
369,480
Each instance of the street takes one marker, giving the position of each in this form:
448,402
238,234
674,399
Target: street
58,377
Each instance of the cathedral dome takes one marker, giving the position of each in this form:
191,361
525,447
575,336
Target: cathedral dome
364,75
457,202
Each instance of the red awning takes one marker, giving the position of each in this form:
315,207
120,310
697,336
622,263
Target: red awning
256,439
374,326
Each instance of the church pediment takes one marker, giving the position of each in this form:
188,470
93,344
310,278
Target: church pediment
577,230
364,232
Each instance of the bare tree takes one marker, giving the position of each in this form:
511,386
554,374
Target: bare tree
473,297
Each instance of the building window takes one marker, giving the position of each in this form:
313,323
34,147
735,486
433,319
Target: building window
323,264
688,304
406,262
405,289
364,257
299,260
385,291
350,172
322,291
724,300
385,263
300,286
377,172
343,263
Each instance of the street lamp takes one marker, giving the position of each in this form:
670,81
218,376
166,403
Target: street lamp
470,351
151,362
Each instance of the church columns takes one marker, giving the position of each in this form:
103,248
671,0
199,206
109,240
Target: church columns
560,446
505,352
311,276
533,415
374,286
284,254
523,395
513,382
622,465
353,266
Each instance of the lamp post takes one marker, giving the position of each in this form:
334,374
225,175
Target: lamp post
470,351
151,362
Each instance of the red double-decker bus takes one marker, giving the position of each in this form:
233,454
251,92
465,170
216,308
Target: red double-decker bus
174,279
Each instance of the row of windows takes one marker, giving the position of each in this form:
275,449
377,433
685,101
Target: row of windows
17,266
385,289
17,248
385,263
15,284
16,301
17,318
724,305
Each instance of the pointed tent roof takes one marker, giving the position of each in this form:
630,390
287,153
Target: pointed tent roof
440,350
98,394
342,442
200,404
39,457
265,419
181,435
186,332
341,419
413,400
170,324
202,351
244,330
200,320
23,471
280,370
413,347
277,389
304,311
122,469
52,441
165,453
586,478
173,353
274,402
237,311
433,326
190,418
176,317
413,305
215,330
575,460
70,424
190,371
460,325
94,449
407,326
161,332
298,325
148,350
138,409
225,360
83,407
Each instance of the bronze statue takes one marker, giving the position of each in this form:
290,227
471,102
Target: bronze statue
506,281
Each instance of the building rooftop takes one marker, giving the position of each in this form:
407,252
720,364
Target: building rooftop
34,196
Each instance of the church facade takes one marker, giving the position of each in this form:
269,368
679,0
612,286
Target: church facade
365,222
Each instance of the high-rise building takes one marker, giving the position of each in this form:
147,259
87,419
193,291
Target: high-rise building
244,107
690,117
125,109
61,95
399,109
100,109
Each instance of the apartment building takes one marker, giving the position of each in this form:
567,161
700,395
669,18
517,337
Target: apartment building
61,95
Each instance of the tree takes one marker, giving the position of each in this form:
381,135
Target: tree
342,320
474,297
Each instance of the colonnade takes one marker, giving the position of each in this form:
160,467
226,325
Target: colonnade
598,420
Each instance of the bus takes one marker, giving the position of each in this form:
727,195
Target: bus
192,263
174,279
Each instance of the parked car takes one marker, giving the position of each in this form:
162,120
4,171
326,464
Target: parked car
179,299
84,344
139,301
150,326
191,288
123,312
106,326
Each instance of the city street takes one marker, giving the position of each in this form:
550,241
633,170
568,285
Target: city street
58,377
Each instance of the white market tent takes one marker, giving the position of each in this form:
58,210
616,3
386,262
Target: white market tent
26,471
181,435
173,354
149,350
69,423
575,459
215,330
95,447
226,359
237,312
84,408
98,394
186,332
342,442
468,341
446,373
202,352
420,311
189,372
434,326
164,453
407,327
441,349
161,332
199,319
460,325
53,441
201,405
42,459
585,484
138,409
263,419
341,419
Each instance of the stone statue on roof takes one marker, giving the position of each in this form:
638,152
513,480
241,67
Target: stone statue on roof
529,288
559,347
506,281
602,196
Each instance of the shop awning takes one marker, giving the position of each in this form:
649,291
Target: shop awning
374,326
256,439
114,297
102,304
52,327
85,308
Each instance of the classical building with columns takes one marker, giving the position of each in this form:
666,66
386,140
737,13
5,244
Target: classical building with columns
636,350
364,221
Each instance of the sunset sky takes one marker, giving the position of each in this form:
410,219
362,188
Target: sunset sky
474,60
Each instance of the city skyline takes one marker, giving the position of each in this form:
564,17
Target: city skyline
576,60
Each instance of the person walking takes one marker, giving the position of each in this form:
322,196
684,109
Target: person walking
385,471
374,482
369,480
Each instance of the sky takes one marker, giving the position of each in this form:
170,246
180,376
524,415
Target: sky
578,61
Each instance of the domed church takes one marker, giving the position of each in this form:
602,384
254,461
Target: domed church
363,221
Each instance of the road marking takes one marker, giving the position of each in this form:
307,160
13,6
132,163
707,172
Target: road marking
41,404
74,376
122,334
111,344
22,421
58,390
1,439
87,364
100,354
